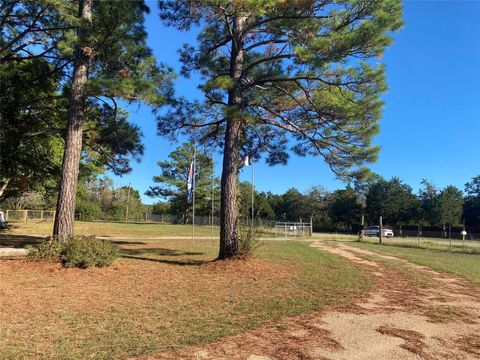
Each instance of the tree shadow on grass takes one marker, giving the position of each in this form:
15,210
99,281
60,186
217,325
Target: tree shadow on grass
166,261
19,241
120,242
144,253
158,252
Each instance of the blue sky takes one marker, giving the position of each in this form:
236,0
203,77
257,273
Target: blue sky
431,121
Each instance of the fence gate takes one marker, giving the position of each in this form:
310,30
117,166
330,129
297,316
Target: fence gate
293,229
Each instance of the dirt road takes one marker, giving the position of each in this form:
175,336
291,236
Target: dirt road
413,313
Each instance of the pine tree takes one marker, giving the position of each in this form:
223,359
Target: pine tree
172,181
111,60
295,76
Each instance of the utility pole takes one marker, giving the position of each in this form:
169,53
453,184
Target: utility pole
213,194
128,202
253,192
193,192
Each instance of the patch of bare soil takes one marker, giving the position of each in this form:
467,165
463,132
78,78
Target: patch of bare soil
398,320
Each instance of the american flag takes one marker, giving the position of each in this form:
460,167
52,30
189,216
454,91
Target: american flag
191,181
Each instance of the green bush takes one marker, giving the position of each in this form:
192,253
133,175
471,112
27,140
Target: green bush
248,240
49,250
88,211
82,252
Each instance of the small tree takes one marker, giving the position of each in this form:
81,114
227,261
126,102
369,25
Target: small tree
282,73
172,181
449,206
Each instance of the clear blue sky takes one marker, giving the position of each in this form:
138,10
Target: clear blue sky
431,121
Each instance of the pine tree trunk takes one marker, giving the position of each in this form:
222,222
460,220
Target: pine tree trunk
65,214
233,132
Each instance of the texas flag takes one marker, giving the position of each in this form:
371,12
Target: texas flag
191,181
245,161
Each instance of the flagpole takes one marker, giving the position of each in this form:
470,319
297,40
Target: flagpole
213,194
253,191
193,193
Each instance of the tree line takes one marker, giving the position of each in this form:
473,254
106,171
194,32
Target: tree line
392,199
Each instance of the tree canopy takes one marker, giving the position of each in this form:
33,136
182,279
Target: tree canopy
281,77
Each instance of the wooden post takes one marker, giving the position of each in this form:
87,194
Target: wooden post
381,231
6,215
25,216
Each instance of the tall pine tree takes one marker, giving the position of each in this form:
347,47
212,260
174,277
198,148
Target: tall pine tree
110,60
282,76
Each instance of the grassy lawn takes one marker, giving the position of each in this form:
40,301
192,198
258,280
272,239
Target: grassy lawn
454,245
163,294
461,264
113,229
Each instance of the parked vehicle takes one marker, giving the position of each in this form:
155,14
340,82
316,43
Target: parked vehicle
375,231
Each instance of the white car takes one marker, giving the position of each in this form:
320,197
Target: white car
375,231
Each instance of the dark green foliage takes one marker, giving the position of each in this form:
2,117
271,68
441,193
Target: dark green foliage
345,208
262,207
30,141
449,206
36,53
84,252
78,251
393,200
471,207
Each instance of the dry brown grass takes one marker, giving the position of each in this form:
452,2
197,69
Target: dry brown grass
413,340
162,295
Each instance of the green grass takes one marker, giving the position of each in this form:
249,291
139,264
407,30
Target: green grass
463,265
110,229
163,294
469,247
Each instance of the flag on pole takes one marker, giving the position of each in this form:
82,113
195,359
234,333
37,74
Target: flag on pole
191,181
245,161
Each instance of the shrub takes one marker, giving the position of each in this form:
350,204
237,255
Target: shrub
88,211
82,252
248,240
49,250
